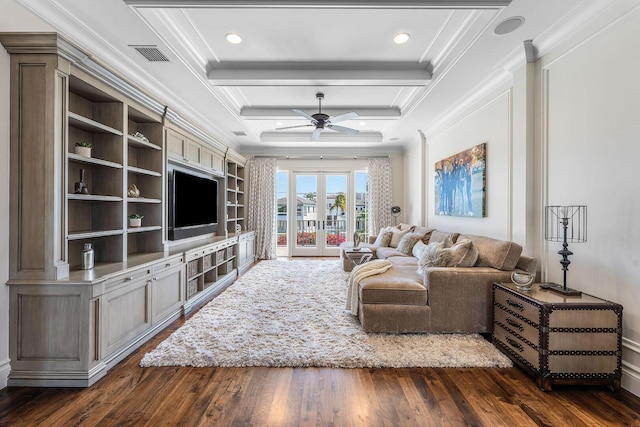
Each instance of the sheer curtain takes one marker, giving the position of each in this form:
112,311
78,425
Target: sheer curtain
379,194
261,212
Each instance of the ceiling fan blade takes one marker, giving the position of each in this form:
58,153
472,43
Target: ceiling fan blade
303,114
343,129
343,117
291,127
316,134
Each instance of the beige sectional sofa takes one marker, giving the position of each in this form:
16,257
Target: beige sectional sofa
438,299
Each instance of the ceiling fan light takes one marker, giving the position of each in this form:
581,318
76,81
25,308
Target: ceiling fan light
233,38
401,38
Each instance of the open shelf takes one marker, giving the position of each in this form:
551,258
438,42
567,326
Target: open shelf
89,125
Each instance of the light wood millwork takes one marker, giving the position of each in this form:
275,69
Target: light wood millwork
69,326
258,396
236,195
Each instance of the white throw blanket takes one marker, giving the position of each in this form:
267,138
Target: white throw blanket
358,273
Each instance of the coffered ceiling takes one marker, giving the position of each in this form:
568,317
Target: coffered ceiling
290,50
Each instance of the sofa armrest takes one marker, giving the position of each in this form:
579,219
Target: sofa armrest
461,299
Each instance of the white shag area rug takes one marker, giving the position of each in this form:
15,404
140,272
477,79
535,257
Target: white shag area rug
291,313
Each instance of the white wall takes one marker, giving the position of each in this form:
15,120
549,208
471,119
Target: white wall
414,183
566,131
490,123
4,217
593,150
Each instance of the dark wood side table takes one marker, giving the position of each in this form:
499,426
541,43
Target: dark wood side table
559,339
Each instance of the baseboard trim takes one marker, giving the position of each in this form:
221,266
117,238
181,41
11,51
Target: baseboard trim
5,368
630,371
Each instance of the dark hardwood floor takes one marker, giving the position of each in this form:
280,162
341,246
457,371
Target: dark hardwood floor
181,396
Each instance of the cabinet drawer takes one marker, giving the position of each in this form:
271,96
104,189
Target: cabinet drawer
193,255
518,347
130,276
517,325
518,305
167,264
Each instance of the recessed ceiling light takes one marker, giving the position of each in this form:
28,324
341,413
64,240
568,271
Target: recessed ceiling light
279,123
401,38
508,25
362,123
233,38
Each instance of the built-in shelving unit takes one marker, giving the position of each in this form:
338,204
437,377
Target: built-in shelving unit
235,197
69,326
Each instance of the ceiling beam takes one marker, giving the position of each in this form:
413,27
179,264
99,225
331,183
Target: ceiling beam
284,113
326,136
348,73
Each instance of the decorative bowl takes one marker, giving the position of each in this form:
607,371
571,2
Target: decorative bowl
523,281
355,249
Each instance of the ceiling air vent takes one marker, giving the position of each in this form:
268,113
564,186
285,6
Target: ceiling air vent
152,53
239,133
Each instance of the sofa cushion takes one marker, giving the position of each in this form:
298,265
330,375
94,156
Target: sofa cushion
398,285
404,227
384,253
408,241
441,236
396,236
495,253
404,261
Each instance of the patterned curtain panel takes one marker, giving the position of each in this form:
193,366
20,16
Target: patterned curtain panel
379,194
261,209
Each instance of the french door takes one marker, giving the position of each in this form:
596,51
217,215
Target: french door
321,206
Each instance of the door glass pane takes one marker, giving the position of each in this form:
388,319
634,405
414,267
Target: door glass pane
362,196
336,209
282,180
306,212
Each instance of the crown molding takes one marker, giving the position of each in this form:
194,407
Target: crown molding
360,4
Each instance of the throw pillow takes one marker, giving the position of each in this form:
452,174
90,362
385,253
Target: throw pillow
408,241
404,227
418,248
462,254
396,236
433,256
384,237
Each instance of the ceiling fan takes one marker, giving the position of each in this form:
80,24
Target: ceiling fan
322,121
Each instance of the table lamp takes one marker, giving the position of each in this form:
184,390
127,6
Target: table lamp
566,224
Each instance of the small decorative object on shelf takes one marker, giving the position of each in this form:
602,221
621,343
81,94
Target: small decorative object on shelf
135,220
80,186
83,149
133,191
141,136
86,259
523,281
238,228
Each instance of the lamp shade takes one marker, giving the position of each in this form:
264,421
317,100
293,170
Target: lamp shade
574,218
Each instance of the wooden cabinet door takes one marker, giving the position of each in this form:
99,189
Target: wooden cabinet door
167,293
192,152
217,163
125,314
206,159
175,145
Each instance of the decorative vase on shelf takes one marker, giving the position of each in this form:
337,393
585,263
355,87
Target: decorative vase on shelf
83,149
133,191
86,257
135,220
238,228
80,186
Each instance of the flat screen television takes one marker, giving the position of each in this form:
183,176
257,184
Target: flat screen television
193,204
